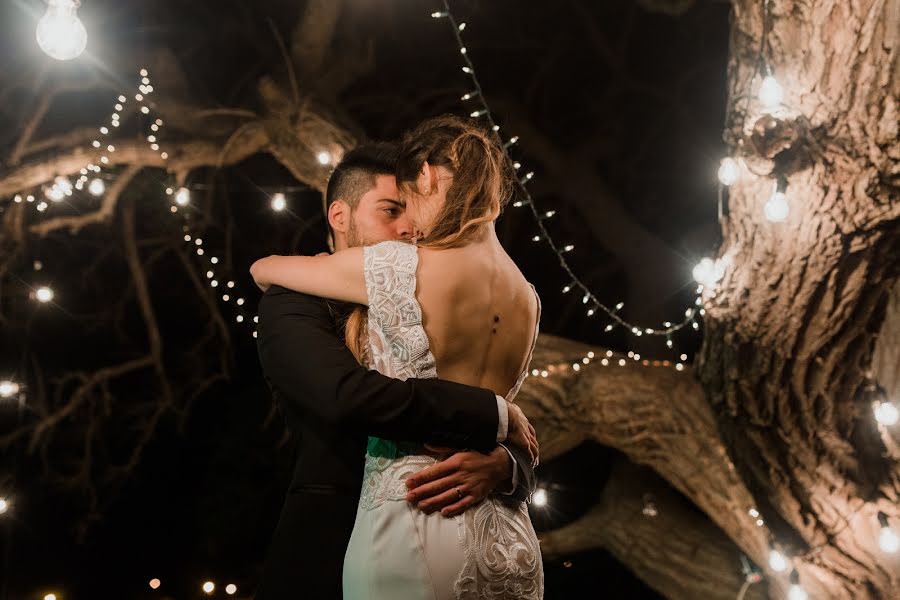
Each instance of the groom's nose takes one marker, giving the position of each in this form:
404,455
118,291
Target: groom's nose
403,227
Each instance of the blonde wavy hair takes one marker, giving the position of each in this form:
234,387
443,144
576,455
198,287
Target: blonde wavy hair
483,182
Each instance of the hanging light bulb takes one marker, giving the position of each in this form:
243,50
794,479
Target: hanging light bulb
60,33
770,92
4,505
540,495
888,539
777,208
97,187
777,561
43,294
8,389
796,592
231,589
209,587
279,203
886,413
709,272
324,158
729,171
155,583
182,196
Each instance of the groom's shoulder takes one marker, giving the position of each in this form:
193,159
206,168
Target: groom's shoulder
277,296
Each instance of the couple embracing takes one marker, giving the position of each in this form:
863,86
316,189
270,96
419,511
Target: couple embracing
417,332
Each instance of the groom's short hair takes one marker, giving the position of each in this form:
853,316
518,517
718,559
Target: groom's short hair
355,174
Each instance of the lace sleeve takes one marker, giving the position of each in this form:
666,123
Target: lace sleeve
398,340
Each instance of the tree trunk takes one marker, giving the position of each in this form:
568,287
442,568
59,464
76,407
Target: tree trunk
791,330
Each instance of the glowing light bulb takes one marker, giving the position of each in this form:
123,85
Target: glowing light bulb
4,505
97,187
43,294
729,171
182,196
777,208
795,592
60,33
8,389
279,203
540,497
155,583
50,597
209,587
888,539
777,561
231,589
770,92
886,413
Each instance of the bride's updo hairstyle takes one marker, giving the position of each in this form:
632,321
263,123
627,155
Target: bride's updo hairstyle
482,176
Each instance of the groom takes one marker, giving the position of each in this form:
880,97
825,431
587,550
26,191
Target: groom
331,404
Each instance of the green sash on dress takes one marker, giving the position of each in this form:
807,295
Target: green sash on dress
380,448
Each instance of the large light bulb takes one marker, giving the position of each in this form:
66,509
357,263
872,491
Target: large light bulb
279,202
231,589
44,294
777,561
8,389
709,272
60,33
324,158
97,187
209,587
182,196
4,505
540,497
886,413
770,92
777,208
729,171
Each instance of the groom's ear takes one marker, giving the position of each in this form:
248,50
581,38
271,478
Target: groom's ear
339,216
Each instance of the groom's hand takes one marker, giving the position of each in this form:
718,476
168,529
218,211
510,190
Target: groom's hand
474,474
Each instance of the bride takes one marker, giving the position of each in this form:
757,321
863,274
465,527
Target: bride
452,303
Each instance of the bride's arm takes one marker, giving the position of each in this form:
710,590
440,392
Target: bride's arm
339,276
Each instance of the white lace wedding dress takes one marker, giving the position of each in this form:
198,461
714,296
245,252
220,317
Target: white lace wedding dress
396,552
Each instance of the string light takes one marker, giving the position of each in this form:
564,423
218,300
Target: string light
155,583
60,33
777,208
231,589
770,92
777,561
540,497
279,203
209,587
484,111
324,158
43,294
709,272
4,506
182,196
886,412
887,539
8,389
97,187
729,171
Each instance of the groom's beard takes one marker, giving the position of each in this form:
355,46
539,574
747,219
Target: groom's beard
354,239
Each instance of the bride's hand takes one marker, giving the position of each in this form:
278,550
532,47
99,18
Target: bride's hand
522,434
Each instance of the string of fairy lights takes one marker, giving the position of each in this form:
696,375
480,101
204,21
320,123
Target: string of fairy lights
708,272
61,34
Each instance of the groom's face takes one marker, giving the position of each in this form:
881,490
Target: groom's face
379,215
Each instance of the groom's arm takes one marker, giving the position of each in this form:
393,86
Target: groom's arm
309,364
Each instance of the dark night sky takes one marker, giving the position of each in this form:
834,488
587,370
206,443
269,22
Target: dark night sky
203,501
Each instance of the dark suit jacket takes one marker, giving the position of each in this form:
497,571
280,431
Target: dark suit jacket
332,403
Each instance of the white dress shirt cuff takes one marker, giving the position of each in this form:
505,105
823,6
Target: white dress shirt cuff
503,421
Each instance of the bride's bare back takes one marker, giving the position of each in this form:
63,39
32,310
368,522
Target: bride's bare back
479,313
